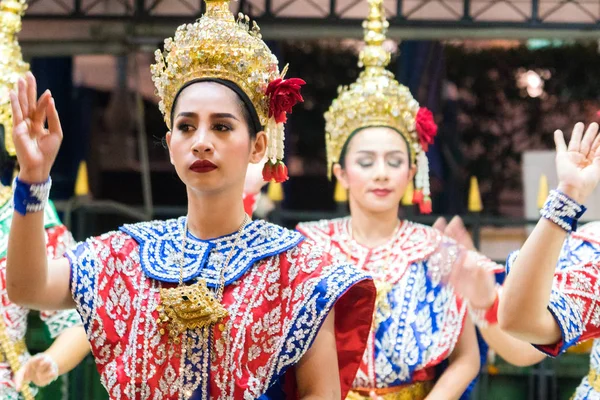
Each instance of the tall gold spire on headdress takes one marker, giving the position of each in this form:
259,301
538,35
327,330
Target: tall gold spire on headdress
374,57
376,98
12,66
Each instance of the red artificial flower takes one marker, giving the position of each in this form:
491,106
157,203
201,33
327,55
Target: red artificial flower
425,206
267,171
281,172
426,127
283,95
417,196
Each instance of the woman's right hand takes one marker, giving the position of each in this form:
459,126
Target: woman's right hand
578,164
36,146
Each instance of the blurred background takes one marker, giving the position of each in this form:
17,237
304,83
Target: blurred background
500,77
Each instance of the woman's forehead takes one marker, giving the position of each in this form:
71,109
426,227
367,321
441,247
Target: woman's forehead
201,95
377,139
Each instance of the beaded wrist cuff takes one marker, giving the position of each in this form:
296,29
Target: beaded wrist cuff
562,210
31,198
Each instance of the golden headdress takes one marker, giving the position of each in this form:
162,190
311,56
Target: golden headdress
217,46
378,99
12,66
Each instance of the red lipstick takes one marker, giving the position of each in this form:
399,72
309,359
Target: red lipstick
203,166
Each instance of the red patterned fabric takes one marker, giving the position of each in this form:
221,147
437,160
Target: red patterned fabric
58,238
250,203
403,347
275,310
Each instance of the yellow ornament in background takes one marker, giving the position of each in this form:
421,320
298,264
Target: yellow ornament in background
407,199
275,191
542,191
582,348
475,204
340,195
82,186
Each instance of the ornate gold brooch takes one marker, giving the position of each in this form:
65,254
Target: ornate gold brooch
188,307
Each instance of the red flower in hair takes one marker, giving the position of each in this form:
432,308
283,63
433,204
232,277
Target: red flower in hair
283,95
267,171
417,196
426,127
281,172
425,206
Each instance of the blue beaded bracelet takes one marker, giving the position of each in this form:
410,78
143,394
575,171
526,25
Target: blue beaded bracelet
30,197
562,210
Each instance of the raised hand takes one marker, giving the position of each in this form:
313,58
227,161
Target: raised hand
36,146
440,224
470,278
474,282
456,230
578,165
41,369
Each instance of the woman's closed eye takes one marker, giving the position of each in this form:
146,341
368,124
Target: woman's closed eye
395,163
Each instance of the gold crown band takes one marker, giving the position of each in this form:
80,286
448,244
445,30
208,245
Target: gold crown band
216,46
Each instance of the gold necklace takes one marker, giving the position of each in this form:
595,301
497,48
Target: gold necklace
382,286
193,306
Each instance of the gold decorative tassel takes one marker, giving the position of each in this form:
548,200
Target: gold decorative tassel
10,354
82,187
275,191
340,194
542,192
474,196
407,199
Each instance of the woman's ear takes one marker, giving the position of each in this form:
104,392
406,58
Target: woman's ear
259,148
412,172
340,175
168,142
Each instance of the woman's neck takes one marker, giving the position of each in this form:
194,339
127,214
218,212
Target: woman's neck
373,229
215,214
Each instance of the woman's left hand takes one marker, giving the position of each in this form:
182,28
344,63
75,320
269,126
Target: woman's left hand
40,369
474,282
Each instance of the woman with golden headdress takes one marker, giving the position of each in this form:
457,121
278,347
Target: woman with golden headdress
211,305
376,138
17,367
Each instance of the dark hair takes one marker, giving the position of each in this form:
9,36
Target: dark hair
4,156
7,163
342,159
248,111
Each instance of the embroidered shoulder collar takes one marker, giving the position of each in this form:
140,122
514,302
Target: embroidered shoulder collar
412,243
161,242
